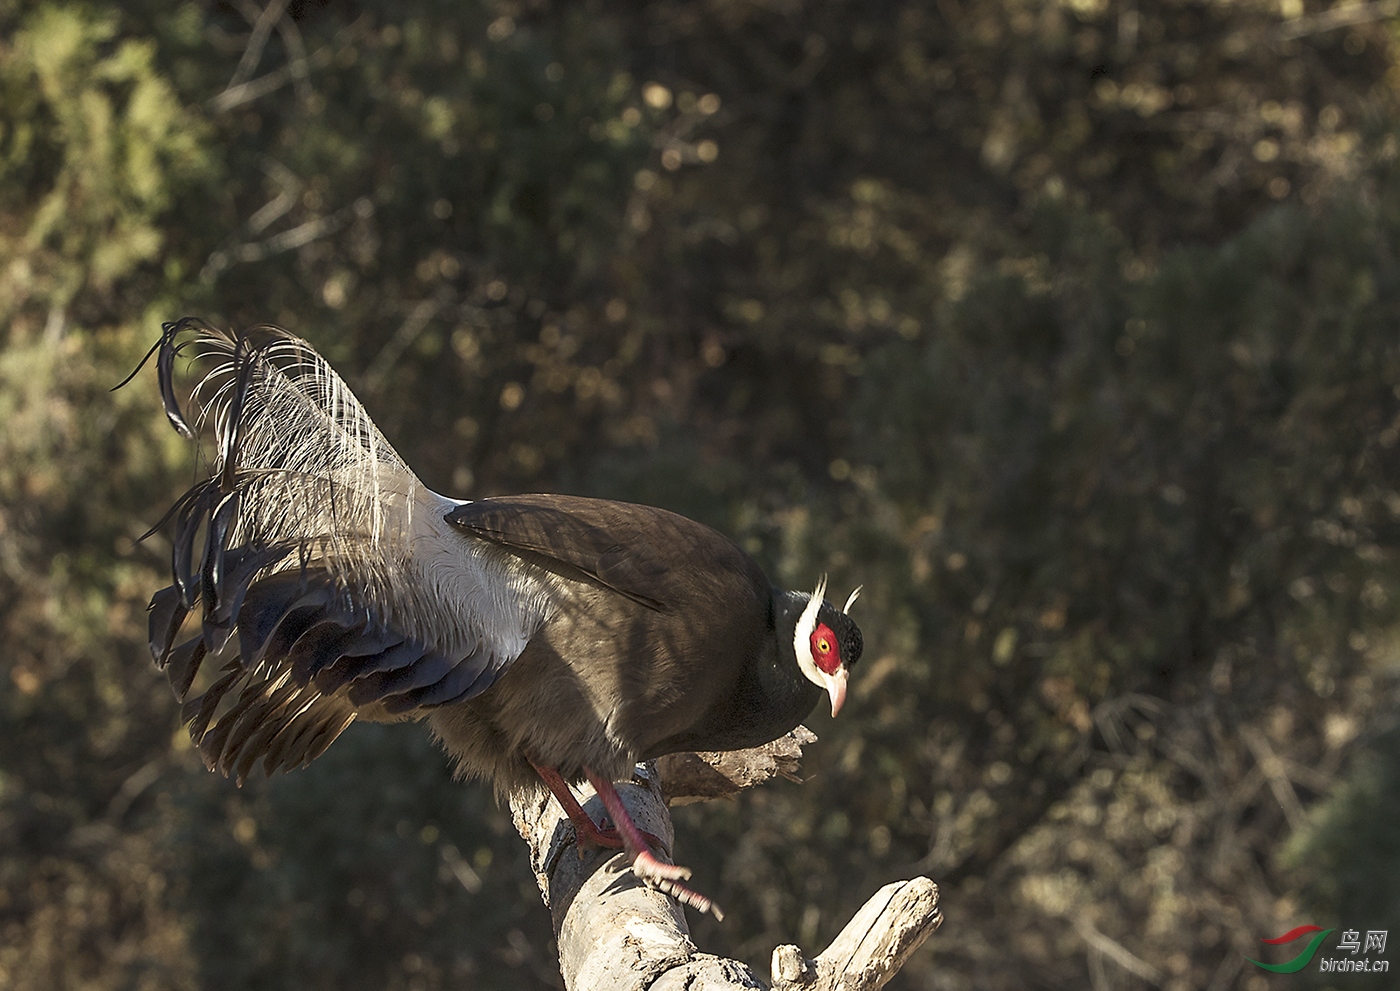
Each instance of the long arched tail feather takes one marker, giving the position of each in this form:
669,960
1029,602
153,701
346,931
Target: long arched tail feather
314,542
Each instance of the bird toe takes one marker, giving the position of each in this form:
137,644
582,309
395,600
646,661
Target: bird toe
647,867
688,896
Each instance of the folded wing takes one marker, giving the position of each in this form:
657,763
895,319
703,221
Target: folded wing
658,559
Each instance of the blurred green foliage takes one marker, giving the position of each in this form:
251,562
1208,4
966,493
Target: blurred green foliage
1068,330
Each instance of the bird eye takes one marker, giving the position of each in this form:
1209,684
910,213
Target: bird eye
826,651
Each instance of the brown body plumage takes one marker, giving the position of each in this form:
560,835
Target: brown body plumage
536,633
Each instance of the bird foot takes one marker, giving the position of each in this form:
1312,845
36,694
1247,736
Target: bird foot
666,878
646,867
638,844
649,867
589,835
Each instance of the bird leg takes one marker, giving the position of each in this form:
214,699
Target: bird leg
586,832
628,837
645,865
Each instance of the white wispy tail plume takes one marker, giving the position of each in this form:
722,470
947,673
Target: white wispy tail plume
313,471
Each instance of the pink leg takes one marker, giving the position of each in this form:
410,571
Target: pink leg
659,874
586,831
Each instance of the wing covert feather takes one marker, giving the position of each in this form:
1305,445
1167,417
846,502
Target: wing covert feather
641,552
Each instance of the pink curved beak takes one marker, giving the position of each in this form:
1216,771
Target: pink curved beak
836,688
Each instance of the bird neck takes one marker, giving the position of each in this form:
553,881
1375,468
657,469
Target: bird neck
779,686
771,697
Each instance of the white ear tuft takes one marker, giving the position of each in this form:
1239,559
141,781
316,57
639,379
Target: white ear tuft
851,600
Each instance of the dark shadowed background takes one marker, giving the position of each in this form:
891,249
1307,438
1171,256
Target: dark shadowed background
1070,329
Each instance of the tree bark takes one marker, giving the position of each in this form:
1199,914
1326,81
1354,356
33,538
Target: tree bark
616,934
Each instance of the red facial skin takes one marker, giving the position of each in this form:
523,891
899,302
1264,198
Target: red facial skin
826,652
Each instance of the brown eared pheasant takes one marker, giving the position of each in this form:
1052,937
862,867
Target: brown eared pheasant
543,638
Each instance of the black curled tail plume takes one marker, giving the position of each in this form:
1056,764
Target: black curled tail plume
296,541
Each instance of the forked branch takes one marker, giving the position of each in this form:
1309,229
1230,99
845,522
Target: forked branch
615,934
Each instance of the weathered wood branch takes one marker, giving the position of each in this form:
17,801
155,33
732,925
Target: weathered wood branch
616,934
687,778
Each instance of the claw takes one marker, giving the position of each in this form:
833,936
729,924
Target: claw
667,879
688,896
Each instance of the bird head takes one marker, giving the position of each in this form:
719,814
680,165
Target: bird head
826,642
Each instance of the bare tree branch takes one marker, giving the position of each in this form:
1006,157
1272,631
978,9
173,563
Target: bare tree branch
873,946
687,778
1117,952
616,934
418,318
263,22
275,209
1276,772
295,70
236,96
296,57
288,240
1338,17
